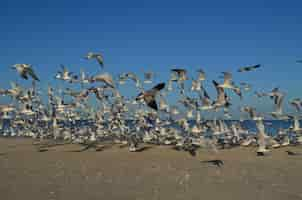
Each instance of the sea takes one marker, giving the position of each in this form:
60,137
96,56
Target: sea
271,126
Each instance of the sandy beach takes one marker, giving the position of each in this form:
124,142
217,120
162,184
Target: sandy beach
157,173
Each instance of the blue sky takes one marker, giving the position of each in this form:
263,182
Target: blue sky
156,35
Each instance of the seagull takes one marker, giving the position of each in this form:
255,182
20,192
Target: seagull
16,90
6,108
222,99
278,100
296,103
201,75
196,85
206,102
82,95
65,75
228,84
105,78
261,138
163,104
99,92
25,70
181,74
252,112
149,96
134,78
296,125
248,68
96,56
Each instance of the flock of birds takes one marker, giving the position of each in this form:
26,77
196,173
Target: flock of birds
147,118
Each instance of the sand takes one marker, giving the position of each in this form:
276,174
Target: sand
157,173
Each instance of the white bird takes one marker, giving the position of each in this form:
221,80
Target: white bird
99,58
25,70
261,138
228,84
105,78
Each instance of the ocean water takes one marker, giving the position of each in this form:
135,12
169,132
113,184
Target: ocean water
271,126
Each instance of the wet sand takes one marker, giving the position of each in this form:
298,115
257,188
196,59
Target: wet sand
157,173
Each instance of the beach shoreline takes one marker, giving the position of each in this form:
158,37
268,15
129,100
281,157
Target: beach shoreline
157,173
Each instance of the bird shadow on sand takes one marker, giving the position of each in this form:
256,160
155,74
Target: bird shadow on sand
145,148
141,149
3,154
50,144
91,146
218,163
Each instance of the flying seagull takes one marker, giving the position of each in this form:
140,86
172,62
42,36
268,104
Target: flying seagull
229,84
96,56
248,68
296,103
181,74
222,99
149,96
201,75
25,70
105,78
206,103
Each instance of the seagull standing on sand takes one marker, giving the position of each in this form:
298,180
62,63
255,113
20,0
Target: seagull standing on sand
261,138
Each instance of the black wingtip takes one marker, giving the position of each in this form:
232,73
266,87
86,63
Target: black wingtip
160,86
153,105
215,83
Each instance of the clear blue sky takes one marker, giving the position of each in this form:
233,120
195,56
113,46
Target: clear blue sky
155,35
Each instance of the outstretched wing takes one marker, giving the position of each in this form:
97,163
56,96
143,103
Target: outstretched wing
100,60
31,72
152,104
159,87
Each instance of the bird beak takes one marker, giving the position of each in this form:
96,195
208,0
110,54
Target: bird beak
13,66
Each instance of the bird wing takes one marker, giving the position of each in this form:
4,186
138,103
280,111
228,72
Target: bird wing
105,78
31,72
158,87
227,77
24,75
152,104
296,105
248,68
150,101
64,69
100,60
220,91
